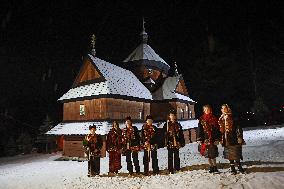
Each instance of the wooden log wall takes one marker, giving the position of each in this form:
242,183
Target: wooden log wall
73,146
94,109
160,110
119,109
181,88
105,108
183,112
87,73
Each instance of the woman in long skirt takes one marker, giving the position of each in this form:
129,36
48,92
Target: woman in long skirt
208,137
232,139
114,145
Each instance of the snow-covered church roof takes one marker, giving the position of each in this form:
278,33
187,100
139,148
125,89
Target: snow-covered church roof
167,91
118,81
145,52
146,55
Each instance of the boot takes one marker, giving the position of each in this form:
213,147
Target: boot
233,170
240,168
155,172
215,170
130,173
211,169
146,173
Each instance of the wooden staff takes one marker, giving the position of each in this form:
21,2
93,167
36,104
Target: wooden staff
166,138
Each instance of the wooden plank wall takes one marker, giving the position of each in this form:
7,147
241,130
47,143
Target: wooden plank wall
105,108
190,135
94,109
181,88
119,109
185,114
88,72
155,74
73,147
160,111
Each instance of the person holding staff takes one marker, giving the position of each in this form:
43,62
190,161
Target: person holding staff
174,140
131,145
149,142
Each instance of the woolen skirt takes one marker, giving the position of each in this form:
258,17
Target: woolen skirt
114,161
233,152
212,151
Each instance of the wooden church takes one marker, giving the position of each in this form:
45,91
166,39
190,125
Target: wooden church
103,92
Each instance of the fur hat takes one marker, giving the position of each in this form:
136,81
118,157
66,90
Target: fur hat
149,117
128,118
92,127
173,111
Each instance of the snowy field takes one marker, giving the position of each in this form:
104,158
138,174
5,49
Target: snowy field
263,159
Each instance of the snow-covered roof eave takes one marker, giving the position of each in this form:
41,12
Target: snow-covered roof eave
82,128
79,128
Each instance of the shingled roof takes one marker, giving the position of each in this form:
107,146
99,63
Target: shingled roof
145,55
167,90
118,81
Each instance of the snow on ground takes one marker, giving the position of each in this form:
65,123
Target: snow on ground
263,158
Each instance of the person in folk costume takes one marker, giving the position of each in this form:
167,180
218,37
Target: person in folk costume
149,142
114,146
174,140
232,139
93,145
208,137
131,145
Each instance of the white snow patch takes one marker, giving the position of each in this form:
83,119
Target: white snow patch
42,172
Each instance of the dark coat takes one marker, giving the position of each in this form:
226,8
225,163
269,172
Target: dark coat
208,129
114,140
95,144
177,134
232,137
153,140
133,139
209,136
233,133
202,135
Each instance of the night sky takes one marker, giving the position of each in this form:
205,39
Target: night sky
228,51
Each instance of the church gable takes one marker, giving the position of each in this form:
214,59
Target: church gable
88,73
181,88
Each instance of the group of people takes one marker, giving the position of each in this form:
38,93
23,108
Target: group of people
212,131
129,142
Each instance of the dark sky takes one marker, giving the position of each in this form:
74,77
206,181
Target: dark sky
42,44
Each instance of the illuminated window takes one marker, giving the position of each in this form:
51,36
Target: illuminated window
140,114
82,109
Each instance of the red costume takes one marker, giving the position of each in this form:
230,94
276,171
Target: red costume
114,145
208,134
